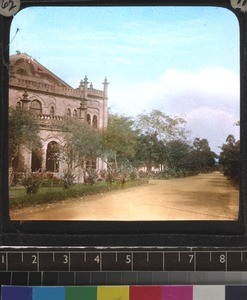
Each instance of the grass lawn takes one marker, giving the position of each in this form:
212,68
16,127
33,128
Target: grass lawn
19,199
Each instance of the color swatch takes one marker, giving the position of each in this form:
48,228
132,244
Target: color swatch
197,292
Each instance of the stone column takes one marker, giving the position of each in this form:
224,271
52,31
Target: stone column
82,110
25,101
44,149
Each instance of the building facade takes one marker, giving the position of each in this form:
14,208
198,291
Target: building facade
47,97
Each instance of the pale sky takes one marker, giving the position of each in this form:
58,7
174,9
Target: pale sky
183,61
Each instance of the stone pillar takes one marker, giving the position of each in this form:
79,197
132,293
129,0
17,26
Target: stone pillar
44,149
82,110
25,101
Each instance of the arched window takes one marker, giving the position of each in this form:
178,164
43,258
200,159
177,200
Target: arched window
18,105
36,107
52,157
75,113
95,121
68,112
88,119
52,111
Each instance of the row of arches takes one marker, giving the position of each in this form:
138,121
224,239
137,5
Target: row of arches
36,108
92,121
52,159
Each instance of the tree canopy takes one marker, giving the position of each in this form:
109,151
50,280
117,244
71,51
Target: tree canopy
23,131
82,142
229,158
120,138
166,127
150,151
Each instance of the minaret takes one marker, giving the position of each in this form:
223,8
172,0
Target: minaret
81,86
105,84
85,83
105,100
83,105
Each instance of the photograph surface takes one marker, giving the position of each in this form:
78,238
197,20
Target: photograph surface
124,114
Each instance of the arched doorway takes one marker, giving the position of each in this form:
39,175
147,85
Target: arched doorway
52,157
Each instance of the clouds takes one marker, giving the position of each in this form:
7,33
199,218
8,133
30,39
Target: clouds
181,60
208,99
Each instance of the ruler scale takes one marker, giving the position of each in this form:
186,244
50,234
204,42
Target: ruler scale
124,260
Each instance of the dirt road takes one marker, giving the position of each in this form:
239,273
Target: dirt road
203,197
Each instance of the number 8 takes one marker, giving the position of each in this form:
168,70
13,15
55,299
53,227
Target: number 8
222,259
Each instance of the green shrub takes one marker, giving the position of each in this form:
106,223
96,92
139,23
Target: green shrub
92,177
110,177
68,179
134,175
32,185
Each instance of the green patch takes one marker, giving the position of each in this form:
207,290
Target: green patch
19,199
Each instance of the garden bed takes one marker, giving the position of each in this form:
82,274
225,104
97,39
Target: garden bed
19,199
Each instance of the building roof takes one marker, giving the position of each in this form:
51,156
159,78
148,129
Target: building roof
23,66
27,73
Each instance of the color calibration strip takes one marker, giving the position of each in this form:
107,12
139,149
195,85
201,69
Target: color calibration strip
198,292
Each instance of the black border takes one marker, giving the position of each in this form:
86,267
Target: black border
114,233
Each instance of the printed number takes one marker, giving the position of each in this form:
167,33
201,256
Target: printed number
65,259
97,259
128,259
8,5
191,256
222,259
34,257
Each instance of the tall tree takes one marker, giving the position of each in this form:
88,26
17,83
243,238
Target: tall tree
120,139
178,155
166,127
203,157
82,142
229,158
23,131
150,151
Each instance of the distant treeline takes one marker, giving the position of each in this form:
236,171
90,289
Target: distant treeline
229,158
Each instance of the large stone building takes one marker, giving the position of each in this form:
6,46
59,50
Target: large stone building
35,88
